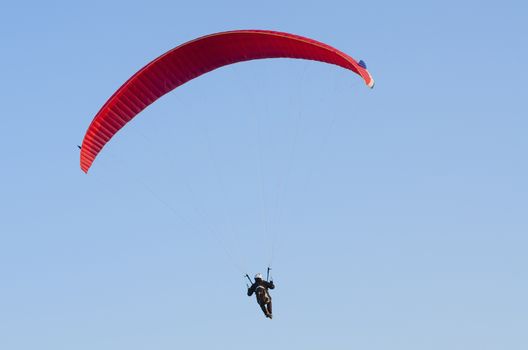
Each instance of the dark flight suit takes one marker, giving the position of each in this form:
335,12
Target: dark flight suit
260,288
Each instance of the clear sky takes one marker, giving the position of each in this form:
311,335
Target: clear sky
394,218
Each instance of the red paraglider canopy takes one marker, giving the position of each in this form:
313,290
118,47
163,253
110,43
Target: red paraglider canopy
192,59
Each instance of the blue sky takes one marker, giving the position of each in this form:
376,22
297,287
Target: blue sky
394,218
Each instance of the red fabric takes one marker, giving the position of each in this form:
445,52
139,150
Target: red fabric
192,59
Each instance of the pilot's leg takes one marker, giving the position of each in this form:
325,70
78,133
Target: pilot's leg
269,308
263,307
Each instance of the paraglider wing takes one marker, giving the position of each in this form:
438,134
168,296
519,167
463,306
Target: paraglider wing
192,59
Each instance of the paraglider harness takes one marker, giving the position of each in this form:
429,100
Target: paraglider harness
261,290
